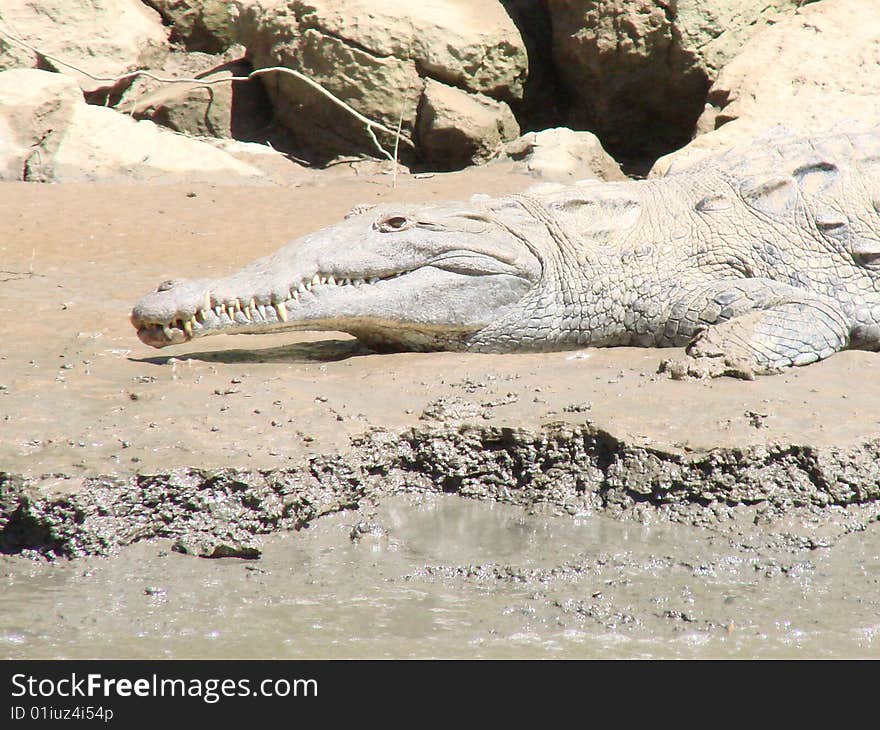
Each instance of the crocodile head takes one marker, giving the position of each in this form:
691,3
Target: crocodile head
410,277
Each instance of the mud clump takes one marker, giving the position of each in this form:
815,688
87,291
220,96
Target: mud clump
210,546
806,492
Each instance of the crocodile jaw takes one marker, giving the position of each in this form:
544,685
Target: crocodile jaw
425,289
325,303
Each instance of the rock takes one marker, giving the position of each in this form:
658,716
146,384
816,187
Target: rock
57,137
471,44
384,89
207,26
239,110
102,144
12,54
457,128
208,545
638,70
33,105
274,165
810,72
106,38
563,155
373,55
368,532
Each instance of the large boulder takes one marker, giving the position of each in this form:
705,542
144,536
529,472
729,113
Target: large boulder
457,128
375,55
54,136
810,72
469,43
638,70
102,144
106,38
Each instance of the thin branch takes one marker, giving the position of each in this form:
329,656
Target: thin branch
396,147
378,146
368,123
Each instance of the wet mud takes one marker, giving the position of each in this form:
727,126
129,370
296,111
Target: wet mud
440,576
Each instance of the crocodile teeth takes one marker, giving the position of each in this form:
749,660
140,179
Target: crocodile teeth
207,303
166,330
261,308
331,280
315,280
309,285
301,288
237,304
219,309
346,281
188,327
281,310
373,279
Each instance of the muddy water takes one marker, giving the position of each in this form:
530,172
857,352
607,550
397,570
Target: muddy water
442,576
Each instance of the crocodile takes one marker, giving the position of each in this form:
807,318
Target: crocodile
757,259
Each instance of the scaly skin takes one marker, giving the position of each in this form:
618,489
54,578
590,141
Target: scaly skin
755,260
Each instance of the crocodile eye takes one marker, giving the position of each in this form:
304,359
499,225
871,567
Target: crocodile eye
393,223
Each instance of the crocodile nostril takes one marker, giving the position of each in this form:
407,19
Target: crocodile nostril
169,284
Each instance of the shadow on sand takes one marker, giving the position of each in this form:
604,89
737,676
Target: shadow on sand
303,352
